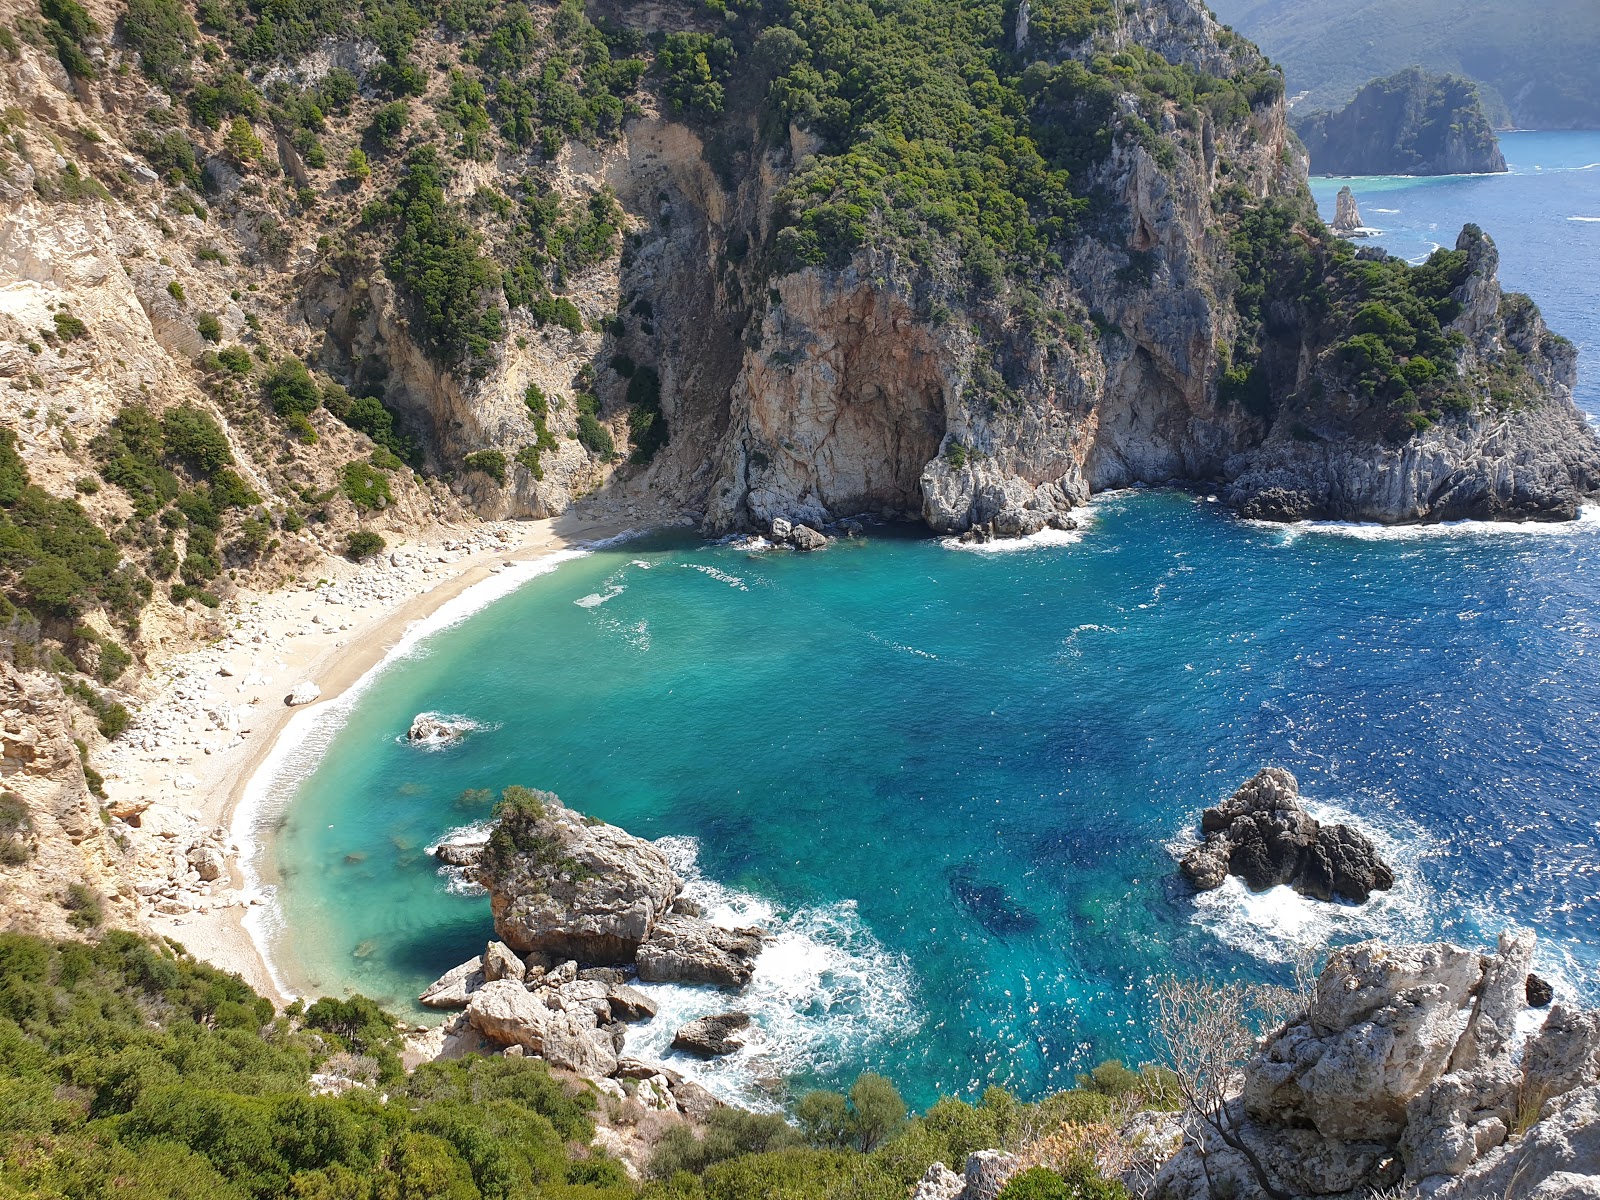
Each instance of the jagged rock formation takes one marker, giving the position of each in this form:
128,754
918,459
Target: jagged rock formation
1263,834
1411,123
712,1036
1404,1068
1347,216
566,886
52,839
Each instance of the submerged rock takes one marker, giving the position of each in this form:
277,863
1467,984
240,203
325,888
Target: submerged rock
713,1036
989,904
1264,835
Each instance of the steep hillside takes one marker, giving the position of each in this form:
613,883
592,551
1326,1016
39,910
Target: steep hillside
1537,63
285,277
1411,123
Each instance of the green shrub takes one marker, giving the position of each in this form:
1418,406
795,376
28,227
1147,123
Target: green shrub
365,486
84,908
193,436
15,826
164,36
236,360
209,326
592,435
290,389
363,543
388,125
647,425
68,327
68,26
491,462
175,290
437,259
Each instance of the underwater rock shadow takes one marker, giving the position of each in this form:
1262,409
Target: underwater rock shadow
989,903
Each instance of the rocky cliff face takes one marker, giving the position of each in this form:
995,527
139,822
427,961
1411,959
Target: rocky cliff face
1411,123
1407,1069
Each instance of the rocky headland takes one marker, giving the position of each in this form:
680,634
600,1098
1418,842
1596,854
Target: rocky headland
1409,123
581,910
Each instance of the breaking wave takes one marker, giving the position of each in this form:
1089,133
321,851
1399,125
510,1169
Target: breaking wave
824,989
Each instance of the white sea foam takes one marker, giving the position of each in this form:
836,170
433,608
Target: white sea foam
1045,538
824,990
1279,925
307,734
1388,212
455,878
1585,219
1587,523
596,599
460,724
720,576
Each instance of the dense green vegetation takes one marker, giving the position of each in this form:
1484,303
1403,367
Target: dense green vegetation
1379,322
128,1068
54,560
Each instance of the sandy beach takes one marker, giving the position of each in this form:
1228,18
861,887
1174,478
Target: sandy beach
213,716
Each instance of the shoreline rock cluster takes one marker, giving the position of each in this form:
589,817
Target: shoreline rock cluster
1263,834
582,909
1406,1071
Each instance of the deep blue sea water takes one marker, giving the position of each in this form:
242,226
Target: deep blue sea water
950,780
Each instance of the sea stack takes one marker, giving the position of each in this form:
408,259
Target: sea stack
1346,216
1263,834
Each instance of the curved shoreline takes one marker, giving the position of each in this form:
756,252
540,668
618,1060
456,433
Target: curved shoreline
233,789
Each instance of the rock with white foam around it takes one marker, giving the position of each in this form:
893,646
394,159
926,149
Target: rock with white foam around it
712,1037
684,949
430,729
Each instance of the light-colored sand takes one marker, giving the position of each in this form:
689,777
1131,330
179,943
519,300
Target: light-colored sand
216,713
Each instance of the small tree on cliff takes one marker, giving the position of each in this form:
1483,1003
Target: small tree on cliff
1209,1031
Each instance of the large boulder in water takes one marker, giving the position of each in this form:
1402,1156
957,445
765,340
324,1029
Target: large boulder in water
574,888
685,949
1264,835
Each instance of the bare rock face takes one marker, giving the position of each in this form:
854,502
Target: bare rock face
939,1183
987,1173
710,1037
508,1014
1404,1071
563,885
1346,215
455,987
1557,1159
1264,835
501,962
683,949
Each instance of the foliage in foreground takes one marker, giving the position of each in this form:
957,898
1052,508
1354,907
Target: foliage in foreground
128,1068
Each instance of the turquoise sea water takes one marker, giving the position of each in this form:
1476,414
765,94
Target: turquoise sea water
949,780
